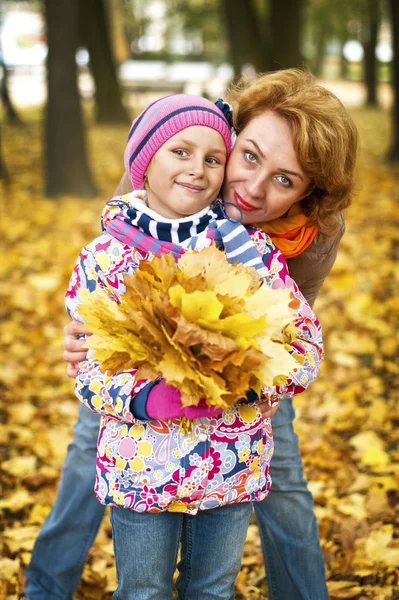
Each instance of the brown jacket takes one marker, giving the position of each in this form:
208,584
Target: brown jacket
309,269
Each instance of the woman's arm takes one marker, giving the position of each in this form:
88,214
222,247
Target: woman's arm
310,268
306,345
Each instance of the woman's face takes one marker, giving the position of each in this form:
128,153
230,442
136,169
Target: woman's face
263,176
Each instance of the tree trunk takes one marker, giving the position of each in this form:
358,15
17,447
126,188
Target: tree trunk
96,37
11,114
393,154
67,169
321,41
369,45
344,64
3,169
286,27
117,16
246,42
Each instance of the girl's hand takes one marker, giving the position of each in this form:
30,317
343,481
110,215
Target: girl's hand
164,403
74,350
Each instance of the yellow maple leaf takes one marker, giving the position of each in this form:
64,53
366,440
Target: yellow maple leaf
198,306
279,362
378,546
370,449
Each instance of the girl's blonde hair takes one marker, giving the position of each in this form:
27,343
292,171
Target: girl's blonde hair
324,136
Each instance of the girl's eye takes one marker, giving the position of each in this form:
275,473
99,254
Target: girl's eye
212,161
250,156
180,152
284,181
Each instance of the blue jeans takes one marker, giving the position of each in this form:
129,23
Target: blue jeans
146,546
287,525
60,550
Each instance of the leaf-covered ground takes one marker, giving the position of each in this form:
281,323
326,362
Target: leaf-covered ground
347,422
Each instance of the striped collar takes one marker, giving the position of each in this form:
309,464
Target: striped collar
133,210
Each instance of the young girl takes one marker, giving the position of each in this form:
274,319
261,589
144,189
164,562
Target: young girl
194,488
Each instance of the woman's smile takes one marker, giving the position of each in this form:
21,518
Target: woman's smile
242,204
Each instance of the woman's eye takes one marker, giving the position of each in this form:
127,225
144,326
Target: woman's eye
284,180
250,156
212,161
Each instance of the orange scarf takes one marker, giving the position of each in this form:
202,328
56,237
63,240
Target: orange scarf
290,234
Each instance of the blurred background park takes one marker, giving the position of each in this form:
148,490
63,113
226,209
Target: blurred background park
73,75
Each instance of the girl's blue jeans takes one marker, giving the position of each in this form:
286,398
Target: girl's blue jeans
146,546
287,524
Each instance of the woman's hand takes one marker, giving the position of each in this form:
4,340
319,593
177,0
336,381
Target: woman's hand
267,410
74,350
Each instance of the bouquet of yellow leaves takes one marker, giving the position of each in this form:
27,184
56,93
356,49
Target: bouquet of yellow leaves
208,327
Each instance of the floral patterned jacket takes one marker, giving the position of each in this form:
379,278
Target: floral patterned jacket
150,465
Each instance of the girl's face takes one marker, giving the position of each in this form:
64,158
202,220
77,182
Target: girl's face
186,173
263,175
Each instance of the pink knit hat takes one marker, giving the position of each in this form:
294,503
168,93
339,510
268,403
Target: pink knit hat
160,121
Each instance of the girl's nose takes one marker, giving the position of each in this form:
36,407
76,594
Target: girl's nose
196,168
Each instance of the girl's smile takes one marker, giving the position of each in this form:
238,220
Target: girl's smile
190,187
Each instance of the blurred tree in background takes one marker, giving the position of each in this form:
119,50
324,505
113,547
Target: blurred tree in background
371,24
393,154
247,35
10,110
68,27
253,30
67,170
3,168
203,24
95,36
286,16
8,105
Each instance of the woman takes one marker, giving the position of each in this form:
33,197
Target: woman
291,172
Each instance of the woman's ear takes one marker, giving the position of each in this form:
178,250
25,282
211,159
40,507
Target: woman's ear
309,190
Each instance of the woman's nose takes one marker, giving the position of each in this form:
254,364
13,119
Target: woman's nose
256,187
